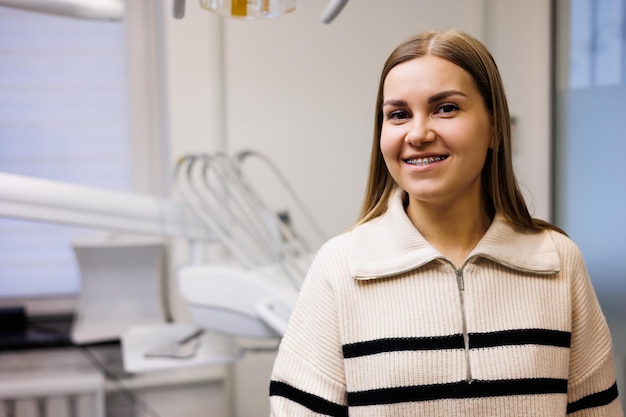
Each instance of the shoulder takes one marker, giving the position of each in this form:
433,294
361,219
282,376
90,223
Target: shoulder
337,246
569,252
332,258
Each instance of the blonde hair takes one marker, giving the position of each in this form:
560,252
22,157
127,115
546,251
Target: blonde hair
499,186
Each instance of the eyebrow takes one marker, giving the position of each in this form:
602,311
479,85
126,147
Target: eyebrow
395,103
444,95
432,99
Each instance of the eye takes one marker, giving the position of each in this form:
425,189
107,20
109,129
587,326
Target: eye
398,115
447,108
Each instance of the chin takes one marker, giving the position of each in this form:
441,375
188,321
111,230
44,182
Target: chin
426,196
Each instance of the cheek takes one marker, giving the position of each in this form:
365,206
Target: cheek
388,146
384,146
470,139
387,152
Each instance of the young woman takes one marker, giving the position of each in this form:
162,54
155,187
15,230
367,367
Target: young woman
447,298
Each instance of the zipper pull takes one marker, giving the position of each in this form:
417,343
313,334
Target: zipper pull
466,342
459,279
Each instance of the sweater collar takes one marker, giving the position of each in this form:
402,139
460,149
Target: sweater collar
390,244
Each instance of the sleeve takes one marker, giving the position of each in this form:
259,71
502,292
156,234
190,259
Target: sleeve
308,377
592,387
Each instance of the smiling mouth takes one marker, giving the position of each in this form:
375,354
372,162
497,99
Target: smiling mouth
425,161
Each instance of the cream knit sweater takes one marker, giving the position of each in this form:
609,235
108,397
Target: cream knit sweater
387,326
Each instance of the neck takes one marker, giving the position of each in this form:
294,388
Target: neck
454,230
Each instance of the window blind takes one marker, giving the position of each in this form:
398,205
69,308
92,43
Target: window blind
63,116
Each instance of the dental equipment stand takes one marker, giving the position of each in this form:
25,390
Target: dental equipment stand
226,301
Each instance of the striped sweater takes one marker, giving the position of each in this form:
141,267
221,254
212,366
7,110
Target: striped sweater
386,326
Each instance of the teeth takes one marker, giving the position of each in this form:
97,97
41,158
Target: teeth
426,161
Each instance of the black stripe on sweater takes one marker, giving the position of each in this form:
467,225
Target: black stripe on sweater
372,347
457,390
598,399
520,337
477,341
310,401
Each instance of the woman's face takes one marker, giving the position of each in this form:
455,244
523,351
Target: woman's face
435,132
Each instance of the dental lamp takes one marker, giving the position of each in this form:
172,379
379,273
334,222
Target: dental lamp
114,9
257,9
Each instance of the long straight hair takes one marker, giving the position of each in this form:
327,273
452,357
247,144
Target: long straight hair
499,186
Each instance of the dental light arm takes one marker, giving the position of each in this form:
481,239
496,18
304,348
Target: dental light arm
28,198
83,9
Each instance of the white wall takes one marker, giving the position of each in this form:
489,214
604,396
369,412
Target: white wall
303,93
518,36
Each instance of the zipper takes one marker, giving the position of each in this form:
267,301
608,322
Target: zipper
461,285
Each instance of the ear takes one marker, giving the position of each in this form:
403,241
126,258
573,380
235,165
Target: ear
492,135
492,129
492,141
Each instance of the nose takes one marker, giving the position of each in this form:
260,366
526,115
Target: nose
420,132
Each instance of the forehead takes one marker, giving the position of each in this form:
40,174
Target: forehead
428,74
